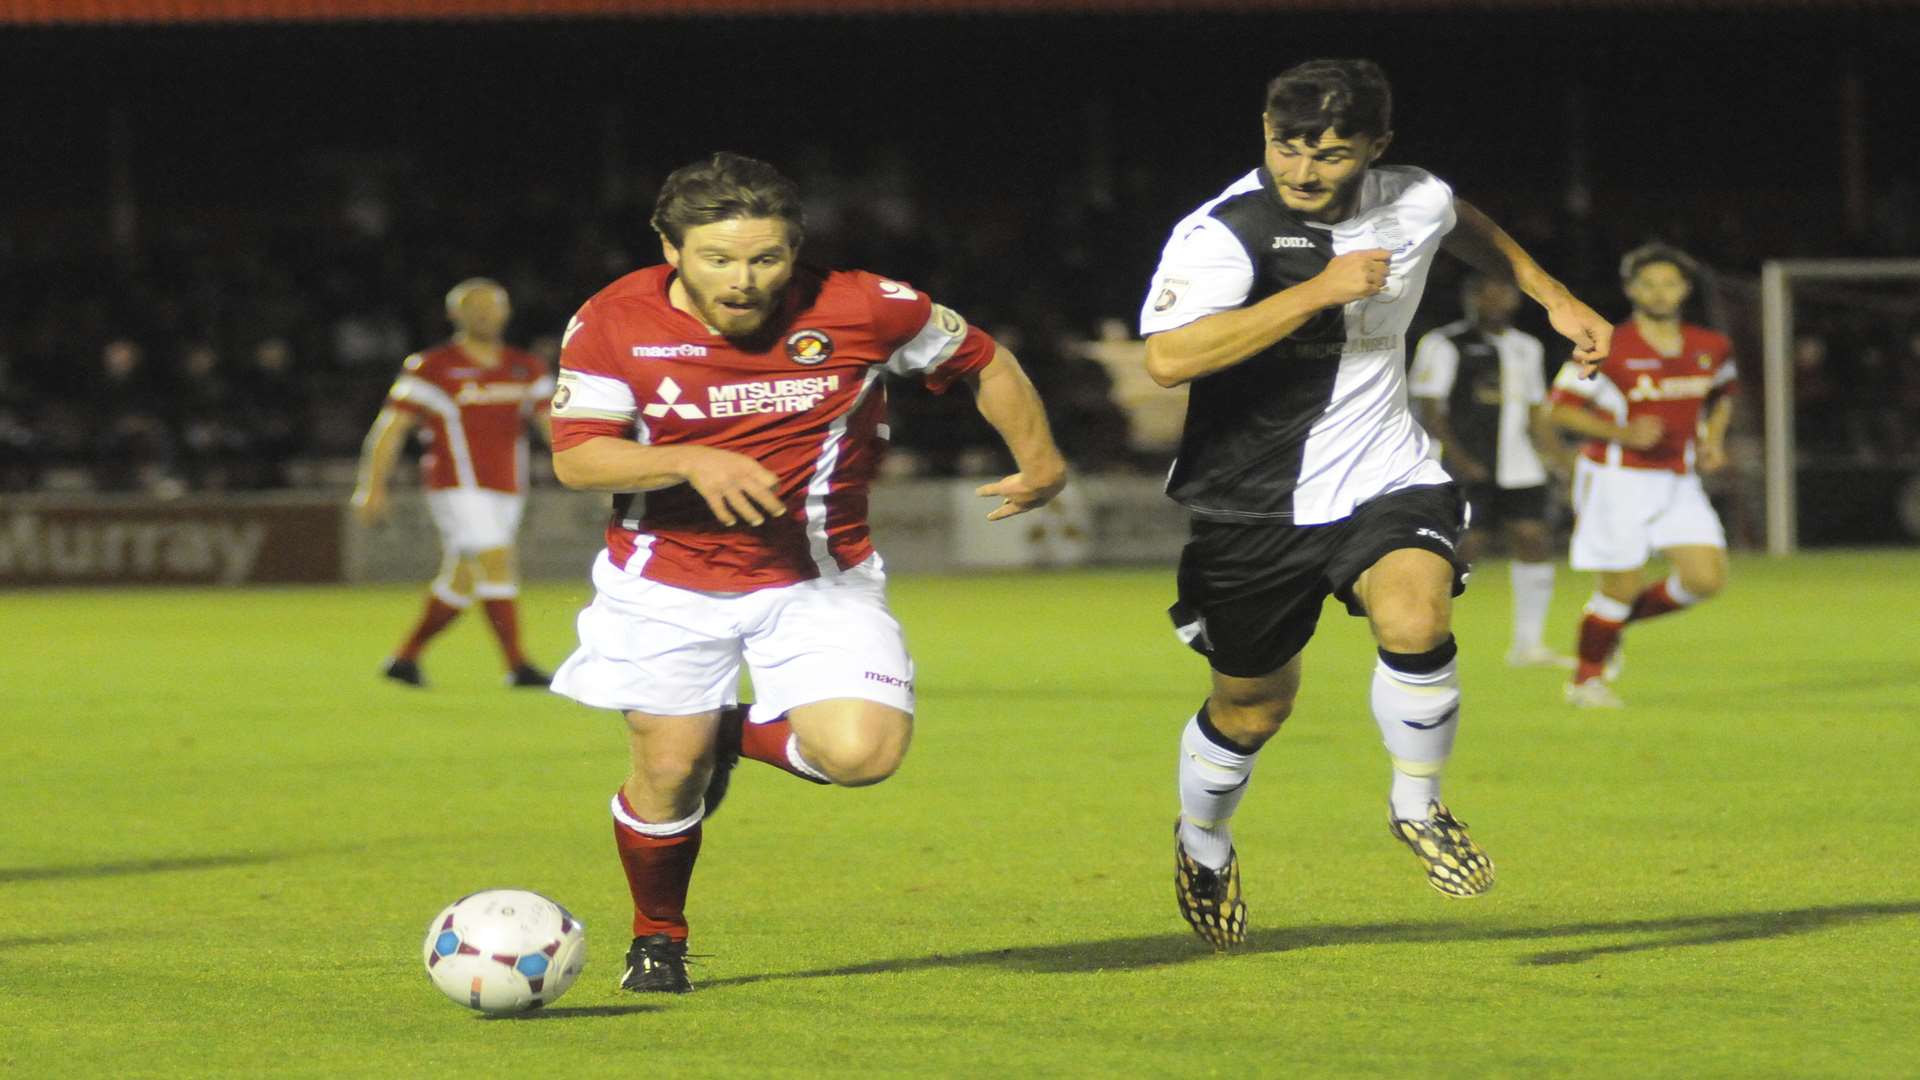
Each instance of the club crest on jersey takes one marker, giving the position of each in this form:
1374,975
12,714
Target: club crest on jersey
809,347
1706,361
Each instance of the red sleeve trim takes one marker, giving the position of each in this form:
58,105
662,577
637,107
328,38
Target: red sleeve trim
973,355
568,434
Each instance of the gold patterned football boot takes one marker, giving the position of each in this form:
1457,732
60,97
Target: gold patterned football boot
1210,899
1455,864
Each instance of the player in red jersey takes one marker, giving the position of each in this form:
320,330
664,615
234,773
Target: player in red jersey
731,401
471,400
1655,419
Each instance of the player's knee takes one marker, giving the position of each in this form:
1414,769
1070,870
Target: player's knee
670,770
1251,720
1413,628
1704,582
1532,542
860,753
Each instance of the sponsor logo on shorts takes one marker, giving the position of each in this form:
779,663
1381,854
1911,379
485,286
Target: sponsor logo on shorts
1170,294
1433,535
890,680
668,352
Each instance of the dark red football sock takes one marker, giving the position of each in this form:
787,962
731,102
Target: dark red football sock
1653,600
768,742
659,869
433,620
1598,638
505,617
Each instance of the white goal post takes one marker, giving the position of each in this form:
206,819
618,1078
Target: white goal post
1777,280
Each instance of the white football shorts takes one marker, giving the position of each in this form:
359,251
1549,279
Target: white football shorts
471,521
1622,516
669,651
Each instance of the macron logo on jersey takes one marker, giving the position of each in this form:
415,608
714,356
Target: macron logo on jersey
669,402
668,352
893,290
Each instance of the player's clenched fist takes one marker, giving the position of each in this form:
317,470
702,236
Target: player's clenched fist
1354,276
1592,336
736,487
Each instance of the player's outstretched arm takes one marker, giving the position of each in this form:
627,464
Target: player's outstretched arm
1223,339
377,455
736,487
1006,397
1641,433
1547,441
1482,244
1713,435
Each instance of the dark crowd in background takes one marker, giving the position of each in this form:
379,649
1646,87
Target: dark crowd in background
218,244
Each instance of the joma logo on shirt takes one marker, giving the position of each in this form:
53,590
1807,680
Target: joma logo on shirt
1671,388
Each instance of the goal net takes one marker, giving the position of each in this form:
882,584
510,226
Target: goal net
1839,399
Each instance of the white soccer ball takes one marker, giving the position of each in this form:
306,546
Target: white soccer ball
504,950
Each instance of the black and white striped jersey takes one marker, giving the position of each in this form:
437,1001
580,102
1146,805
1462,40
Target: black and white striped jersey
1489,382
1318,423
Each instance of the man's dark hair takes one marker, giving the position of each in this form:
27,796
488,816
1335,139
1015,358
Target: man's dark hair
1350,96
1474,281
723,187
1647,254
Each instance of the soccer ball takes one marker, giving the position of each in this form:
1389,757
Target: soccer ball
504,950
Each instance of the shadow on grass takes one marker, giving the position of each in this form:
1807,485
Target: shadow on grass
564,1012
33,941
1127,954
13,874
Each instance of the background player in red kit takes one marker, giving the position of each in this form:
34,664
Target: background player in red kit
1636,486
471,399
731,400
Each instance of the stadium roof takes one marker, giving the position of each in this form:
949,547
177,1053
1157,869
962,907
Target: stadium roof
164,11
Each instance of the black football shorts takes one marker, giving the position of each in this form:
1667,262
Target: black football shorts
1250,594
1494,506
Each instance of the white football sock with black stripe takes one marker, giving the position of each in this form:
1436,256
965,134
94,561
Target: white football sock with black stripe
1416,703
1214,772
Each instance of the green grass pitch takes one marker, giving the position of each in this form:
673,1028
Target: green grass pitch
224,838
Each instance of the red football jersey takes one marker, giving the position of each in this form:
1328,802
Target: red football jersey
809,406
474,417
1637,379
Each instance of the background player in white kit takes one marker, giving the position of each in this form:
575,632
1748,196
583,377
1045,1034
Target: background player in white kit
1654,420
1479,387
472,399
1283,303
738,393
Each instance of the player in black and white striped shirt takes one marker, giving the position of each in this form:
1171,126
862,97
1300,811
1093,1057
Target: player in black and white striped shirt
1480,388
1283,304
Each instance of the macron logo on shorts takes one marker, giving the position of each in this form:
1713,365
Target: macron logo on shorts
1429,533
